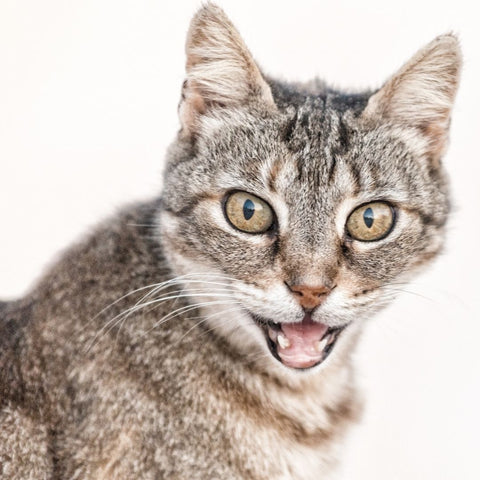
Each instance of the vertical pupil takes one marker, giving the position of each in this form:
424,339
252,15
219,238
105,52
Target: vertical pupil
368,217
248,209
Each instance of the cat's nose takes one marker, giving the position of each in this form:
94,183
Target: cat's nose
308,296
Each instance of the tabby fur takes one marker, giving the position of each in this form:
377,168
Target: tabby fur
136,357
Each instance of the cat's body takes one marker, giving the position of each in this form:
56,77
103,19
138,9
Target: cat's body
170,404
144,352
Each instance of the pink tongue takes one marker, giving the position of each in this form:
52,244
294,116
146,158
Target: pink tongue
302,337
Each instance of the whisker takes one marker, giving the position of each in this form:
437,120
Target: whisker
151,225
185,309
402,290
122,316
205,319
157,301
122,297
206,279
187,293
164,284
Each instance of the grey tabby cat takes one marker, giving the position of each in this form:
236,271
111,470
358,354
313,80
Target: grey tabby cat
208,334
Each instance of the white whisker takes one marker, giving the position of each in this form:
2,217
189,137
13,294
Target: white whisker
389,289
206,318
122,316
185,309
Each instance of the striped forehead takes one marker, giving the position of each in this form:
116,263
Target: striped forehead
302,178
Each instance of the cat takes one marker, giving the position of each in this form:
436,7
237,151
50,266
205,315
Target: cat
208,333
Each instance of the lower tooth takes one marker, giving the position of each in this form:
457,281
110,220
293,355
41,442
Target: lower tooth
272,334
283,341
320,345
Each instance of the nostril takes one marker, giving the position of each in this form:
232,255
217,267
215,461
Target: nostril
305,290
308,296
293,289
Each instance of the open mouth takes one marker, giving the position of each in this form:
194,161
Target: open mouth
299,345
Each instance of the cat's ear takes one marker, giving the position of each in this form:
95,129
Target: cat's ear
221,72
421,93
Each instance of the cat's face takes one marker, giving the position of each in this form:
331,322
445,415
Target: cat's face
294,215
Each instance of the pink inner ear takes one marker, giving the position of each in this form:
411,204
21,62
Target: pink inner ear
421,93
221,72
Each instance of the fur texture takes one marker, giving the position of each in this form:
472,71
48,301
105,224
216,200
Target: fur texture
140,353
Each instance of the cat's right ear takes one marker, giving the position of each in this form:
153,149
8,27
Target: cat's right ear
421,94
221,72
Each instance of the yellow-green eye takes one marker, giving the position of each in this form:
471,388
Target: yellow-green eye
370,222
248,213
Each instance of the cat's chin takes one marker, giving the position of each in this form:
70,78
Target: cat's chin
301,345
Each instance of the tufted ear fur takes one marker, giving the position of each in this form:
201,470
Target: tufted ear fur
422,92
221,72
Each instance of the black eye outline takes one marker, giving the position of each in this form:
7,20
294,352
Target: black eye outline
393,210
271,231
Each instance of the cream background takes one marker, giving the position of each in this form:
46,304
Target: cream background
88,97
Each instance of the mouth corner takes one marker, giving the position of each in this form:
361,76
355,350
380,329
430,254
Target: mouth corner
302,345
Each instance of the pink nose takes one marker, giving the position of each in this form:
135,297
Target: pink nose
310,297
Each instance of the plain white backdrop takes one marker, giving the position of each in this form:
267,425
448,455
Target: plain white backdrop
88,98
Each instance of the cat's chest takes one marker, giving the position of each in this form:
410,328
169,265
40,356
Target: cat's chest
240,455
208,435
283,447
290,460
197,423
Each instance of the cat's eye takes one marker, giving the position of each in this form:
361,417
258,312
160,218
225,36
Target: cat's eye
248,213
370,222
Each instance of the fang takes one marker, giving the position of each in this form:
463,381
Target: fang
283,341
272,334
331,338
320,345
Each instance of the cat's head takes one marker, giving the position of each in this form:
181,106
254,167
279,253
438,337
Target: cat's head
293,211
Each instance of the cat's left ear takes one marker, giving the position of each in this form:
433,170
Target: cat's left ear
421,93
221,72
